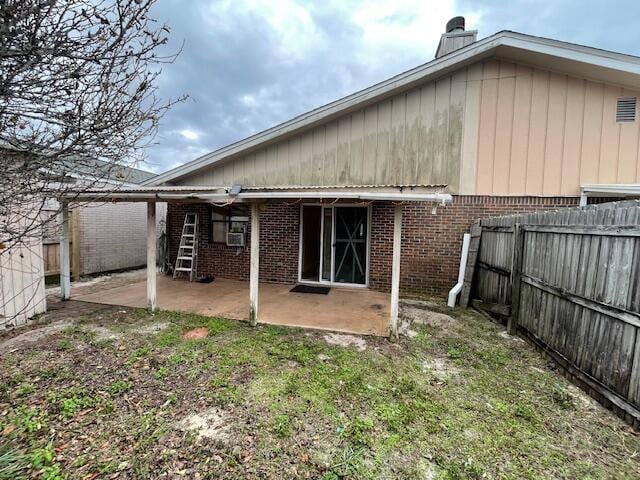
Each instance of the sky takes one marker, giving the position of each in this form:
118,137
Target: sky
247,65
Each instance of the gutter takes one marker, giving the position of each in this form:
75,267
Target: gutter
442,198
453,293
608,190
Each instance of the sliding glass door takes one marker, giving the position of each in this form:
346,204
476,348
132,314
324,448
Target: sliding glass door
333,244
350,242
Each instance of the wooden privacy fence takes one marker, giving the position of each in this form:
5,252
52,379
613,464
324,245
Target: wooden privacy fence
570,281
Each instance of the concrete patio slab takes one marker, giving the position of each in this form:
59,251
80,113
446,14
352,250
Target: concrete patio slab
359,311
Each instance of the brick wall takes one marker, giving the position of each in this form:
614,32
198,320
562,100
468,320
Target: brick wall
430,243
278,244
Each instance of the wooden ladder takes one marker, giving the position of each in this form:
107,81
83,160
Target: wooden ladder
187,259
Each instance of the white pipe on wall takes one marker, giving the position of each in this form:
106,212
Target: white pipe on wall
453,293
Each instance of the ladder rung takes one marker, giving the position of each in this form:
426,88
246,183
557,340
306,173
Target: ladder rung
185,258
187,246
187,234
189,224
183,269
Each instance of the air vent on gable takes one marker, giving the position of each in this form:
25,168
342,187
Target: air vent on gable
626,109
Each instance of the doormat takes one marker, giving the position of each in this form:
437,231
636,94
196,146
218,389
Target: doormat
310,289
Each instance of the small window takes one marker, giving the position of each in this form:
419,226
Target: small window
219,227
626,109
228,220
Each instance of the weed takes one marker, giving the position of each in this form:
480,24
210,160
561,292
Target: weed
527,413
561,396
69,401
29,419
42,459
139,354
223,392
281,426
454,353
218,325
25,389
329,476
107,407
168,338
119,387
497,417
147,431
359,430
160,373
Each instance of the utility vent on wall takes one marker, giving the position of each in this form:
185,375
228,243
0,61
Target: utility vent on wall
626,109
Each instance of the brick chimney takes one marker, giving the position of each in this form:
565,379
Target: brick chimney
455,37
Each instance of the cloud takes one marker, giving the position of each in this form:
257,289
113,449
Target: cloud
189,134
248,64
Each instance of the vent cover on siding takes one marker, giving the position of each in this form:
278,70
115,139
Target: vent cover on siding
626,109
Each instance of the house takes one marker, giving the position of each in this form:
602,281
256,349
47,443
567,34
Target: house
375,190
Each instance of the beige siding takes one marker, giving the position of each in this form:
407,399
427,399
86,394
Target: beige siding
414,137
493,128
22,293
544,133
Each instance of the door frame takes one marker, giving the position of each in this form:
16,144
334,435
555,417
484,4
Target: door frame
331,282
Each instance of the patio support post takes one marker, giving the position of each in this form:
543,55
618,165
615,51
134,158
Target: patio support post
65,260
255,264
151,255
395,272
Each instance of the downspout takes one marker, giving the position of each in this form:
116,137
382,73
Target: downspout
453,293
583,197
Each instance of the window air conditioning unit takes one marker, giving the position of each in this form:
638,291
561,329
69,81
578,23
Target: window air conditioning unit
235,239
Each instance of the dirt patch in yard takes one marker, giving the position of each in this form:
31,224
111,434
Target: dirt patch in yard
342,340
419,314
152,328
440,368
211,424
32,336
196,334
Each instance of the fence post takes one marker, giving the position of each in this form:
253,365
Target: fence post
516,275
472,256
75,243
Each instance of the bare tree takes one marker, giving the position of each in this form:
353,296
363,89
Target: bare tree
78,85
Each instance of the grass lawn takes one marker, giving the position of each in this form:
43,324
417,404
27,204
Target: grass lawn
122,395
